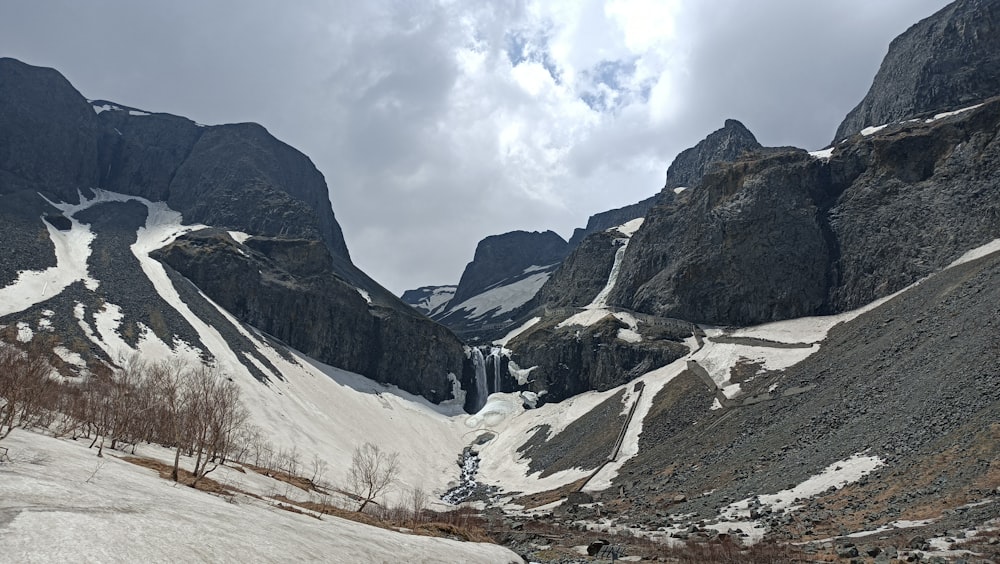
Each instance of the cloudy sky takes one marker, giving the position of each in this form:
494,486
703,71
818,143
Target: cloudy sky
437,123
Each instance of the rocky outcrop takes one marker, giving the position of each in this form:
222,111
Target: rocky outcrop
282,287
429,300
583,273
723,145
947,61
502,257
611,218
777,236
574,359
50,133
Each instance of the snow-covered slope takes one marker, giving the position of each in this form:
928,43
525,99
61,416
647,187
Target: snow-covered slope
59,503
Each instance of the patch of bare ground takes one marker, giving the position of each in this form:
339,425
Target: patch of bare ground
532,501
460,524
204,484
301,482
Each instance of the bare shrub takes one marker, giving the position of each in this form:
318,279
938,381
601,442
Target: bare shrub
371,473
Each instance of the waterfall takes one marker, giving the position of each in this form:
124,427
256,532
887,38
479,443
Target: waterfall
602,299
482,390
496,355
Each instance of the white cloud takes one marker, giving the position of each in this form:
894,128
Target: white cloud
437,123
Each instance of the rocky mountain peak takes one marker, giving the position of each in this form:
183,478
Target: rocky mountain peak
947,61
500,257
723,145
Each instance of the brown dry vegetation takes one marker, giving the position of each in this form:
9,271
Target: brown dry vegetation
539,499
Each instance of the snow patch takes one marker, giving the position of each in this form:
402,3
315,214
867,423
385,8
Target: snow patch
680,189
365,295
137,113
629,227
949,114
836,475
239,236
822,153
514,333
873,130
503,299
24,332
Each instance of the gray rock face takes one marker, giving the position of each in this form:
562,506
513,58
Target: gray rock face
282,287
49,140
572,360
946,61
429,300
611,218
723,145
745,245
582,275
298,283
502,257
782,235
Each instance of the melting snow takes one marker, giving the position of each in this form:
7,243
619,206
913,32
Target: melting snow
873,130
836,475
503,299
65,505
822,154
949,114
524,327
72,251
239,236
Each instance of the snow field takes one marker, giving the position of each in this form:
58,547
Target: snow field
61,503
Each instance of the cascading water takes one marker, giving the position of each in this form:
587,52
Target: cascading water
482,389
496,357
601,300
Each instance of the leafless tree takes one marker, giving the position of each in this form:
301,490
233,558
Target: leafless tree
26,388
372,471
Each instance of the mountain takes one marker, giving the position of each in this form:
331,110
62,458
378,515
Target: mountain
429,300
947,61
152,222
504,274
789,234
611,218
723,145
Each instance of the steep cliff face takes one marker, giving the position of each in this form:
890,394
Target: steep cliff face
572,359
285,288
583,273
293,279
611,218
777,236
722,145
505,273
501,257
946,61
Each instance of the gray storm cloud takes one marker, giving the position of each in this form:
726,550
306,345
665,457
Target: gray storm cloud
439,123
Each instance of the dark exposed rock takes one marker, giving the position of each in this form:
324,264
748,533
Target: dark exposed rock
233,177
277,288
946,61
611,218
723,145
49,141
782,235
583,273
502,257
576,359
